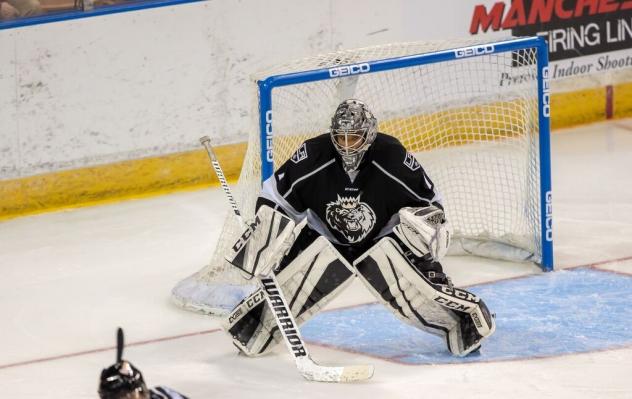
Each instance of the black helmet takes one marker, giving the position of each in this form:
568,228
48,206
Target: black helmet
353,130
122,380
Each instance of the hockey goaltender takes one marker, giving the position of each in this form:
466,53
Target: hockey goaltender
353,202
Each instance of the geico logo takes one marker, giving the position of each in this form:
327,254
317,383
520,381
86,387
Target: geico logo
546,92
349,70
548,221
475,50
234,316
269,136
457,293
451,304
255,299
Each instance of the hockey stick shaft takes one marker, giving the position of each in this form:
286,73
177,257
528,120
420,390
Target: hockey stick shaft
281,311
206,142
273,293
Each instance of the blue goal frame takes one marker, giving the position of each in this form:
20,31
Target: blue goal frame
544,100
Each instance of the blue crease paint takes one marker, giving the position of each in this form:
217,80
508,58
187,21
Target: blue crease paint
552,314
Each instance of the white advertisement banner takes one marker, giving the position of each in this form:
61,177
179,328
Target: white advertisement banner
585,37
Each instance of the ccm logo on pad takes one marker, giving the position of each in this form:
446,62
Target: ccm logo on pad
349,70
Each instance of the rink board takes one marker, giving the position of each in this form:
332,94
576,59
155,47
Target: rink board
552,314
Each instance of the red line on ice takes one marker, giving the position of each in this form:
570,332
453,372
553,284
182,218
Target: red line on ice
91,351
394,359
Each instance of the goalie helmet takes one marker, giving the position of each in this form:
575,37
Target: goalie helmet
353,130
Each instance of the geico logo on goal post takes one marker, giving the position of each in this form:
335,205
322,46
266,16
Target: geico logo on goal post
269,136
546,92
349,70
474,50
548,218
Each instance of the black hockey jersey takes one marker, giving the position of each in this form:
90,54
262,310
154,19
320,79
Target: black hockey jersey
350,212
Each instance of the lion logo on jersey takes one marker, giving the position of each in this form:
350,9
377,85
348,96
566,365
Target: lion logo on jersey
352,218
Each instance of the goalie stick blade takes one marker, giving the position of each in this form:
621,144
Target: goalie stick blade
315,372
356,373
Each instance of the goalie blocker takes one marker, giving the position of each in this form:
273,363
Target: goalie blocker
263,244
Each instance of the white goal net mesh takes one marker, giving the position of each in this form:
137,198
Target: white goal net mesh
472,124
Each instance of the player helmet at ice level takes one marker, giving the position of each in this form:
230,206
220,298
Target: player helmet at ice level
122,380
353,130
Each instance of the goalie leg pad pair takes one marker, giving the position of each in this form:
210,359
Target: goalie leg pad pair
457,315
309,282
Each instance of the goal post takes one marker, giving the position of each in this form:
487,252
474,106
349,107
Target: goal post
475,114
544,119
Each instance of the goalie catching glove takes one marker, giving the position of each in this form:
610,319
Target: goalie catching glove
424,231
268,237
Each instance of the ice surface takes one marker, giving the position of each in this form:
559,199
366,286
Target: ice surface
68,279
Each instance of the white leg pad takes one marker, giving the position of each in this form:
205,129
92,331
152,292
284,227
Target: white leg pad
388,275
414,299
314,278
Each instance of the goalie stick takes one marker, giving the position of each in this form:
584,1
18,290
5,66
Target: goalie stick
309,369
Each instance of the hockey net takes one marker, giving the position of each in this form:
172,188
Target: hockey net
471,122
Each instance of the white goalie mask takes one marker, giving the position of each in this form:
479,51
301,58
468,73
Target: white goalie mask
353,130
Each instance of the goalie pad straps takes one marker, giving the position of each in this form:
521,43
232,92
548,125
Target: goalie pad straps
264,242
434,308
309,282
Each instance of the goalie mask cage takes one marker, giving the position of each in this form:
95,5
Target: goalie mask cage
474,114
